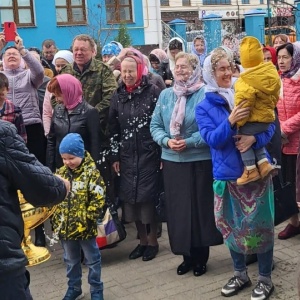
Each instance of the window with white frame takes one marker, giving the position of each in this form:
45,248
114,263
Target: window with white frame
118,11
69,12
18,11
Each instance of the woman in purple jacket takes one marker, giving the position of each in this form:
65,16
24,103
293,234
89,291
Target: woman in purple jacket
244,214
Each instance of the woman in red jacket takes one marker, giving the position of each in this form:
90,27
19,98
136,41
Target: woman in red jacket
288,57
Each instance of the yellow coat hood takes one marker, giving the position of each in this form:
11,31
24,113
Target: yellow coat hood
260,86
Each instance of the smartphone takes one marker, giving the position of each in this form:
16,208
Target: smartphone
10,29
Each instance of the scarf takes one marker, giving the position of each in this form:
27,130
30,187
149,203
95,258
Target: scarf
64,54
171,58
140,72
273,54
201,56
160,54
212,86
182,89
71,90
295,66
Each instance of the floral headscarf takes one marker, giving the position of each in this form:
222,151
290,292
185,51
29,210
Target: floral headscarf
295,66
211,83
182,89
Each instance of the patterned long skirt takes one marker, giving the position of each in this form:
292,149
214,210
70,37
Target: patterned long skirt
245,215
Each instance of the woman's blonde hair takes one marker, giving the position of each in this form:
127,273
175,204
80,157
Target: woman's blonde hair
191,59
285,38
218,54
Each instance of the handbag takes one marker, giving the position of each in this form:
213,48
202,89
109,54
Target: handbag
110,228
285,202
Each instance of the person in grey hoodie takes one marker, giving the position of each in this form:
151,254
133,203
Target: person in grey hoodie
23,85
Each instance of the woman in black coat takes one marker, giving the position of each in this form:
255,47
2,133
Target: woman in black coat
71,114
135,156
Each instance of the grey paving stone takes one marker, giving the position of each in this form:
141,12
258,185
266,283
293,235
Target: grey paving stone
126,279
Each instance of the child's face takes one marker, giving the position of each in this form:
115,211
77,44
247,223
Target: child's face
3,94
71,161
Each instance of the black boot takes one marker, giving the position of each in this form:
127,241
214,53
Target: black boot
40,239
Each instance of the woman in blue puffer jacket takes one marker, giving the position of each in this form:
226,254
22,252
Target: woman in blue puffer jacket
244,214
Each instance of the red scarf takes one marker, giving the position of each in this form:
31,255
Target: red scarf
140,70
273,54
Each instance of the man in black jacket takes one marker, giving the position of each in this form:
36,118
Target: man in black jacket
20,170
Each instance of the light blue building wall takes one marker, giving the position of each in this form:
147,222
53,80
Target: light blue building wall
46,27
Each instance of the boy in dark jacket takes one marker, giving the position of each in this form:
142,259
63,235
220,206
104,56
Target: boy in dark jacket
75,219
8,111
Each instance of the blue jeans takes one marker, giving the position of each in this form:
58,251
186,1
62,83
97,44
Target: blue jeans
92,260
252,155
265,261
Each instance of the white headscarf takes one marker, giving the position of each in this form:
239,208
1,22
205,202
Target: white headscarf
64,54
211,83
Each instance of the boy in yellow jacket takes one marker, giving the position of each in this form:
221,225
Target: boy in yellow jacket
259,84
75,219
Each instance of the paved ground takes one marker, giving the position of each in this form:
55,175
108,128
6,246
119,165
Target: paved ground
157,279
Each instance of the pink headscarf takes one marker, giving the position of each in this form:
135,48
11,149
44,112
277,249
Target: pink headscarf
160,54
71,90
141,58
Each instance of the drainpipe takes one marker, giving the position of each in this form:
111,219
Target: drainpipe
159,27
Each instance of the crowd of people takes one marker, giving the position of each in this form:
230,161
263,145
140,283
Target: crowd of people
203,127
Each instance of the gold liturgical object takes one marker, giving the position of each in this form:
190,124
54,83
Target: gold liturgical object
34,216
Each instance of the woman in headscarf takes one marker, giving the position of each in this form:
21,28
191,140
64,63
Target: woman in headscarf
270,55
61,58
175,46
199,48
187,168
160,65
244,214
288,57
72,114
153,76
134,154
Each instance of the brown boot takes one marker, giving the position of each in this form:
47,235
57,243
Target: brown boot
248,176
265,169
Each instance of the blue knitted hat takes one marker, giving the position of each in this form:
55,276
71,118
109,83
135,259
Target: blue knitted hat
110,49
72,144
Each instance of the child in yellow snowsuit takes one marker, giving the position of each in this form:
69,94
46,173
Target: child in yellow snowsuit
259,84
